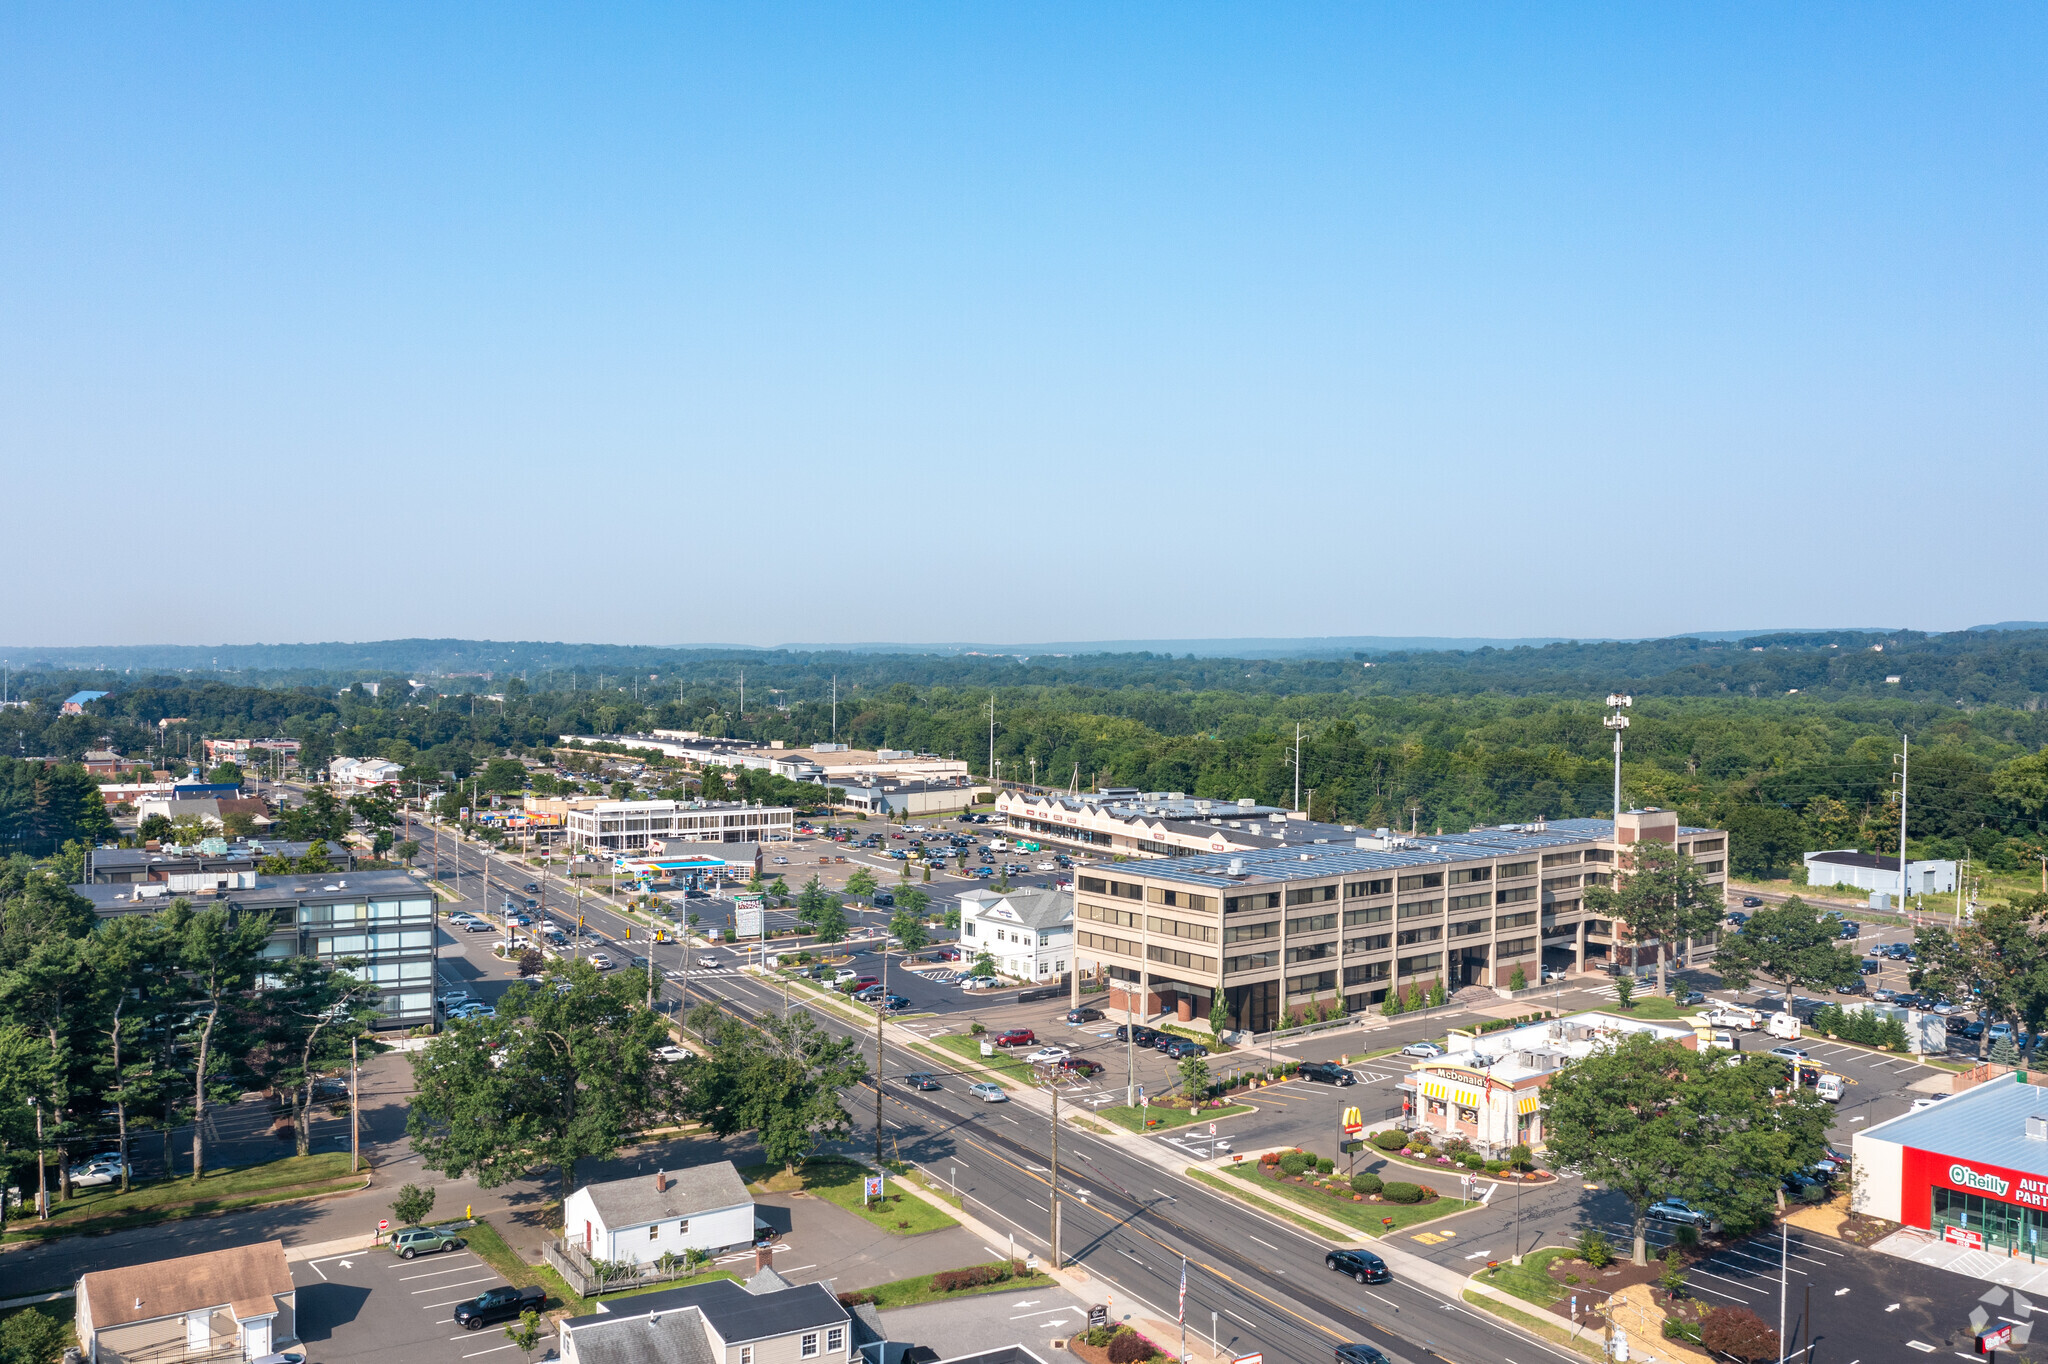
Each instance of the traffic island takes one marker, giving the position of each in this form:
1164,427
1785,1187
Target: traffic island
1161,1118
1389,1208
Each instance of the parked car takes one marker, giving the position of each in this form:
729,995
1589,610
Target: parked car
1080,1065
410,1241
979,982
1136,1033
1084,1015
1048,1055
882,899
1751,901
475,926
671,1052
1790,1054
1180,1048
988,1093
1849,929
1016,1037
98,1171
1868,966
498,1304
1426,1050
894,1003
464,1012
1327,1072
1737,917
1361,1265
1678,1210
921,1080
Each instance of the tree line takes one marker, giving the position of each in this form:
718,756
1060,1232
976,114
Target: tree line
127,1029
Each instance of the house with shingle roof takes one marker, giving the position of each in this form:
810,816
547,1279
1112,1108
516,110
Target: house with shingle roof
236,1303
640,1218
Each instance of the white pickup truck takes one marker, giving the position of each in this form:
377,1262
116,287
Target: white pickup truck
1728,1016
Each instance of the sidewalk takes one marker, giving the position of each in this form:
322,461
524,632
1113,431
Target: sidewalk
1924,1248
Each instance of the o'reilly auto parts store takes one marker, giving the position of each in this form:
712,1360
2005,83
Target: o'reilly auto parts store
1972,1169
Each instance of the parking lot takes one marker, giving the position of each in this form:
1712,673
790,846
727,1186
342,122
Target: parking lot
372,1305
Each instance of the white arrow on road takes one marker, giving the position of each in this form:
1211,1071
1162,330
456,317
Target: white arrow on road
1840,1291
348,1264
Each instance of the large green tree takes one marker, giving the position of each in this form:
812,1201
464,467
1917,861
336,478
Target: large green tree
779,1078
1999,958
305,1019
219,952
908,928
1661,896
1792,945
565,1072
1656,1119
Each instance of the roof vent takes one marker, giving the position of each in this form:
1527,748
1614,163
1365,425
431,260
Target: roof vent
2037,1128
1305,857
1247,803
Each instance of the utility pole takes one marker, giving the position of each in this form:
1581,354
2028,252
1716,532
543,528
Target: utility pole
1617,703
992,739
355,1108
835,708
1055,1085
1297,765
1905,763
879,1011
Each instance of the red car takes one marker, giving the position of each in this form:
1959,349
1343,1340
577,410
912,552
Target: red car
1016,1037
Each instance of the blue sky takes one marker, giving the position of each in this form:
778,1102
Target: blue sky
764,323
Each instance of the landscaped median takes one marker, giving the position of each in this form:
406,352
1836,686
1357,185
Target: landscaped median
1160,1118
1388,1210
178,1197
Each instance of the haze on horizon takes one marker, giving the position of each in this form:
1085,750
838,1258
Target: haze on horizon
652,325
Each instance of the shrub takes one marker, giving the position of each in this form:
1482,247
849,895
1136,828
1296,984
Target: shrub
1128,1347
1393,1139
1324,1165
1675,1329
1472,1160
1401,1191
1594,1250
1099,1336
1572,1280
1687,1234
1365,1184
856,1299
1672,1279
1521,1157
1519,980
1738,1332
1293,1163
974,1276
1270,1158
1494,1167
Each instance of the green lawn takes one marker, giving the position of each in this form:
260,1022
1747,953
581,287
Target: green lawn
168,1200
492,1250
1529,1280
1232,1186
1656,1007
1164,1119
969,1049
1554,1331
910,1292
841,1182
1364,1216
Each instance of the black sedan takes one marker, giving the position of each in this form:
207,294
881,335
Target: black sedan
1083,1015
920,1080
1361,1265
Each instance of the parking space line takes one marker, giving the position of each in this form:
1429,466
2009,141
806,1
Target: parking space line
443,1287
435,1274
474,1353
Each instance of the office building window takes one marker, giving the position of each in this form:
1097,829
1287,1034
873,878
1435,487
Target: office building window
1599,854
1309,984
1707,845
1469,928
1378,914
1479,901
1311,923
1423,881
1251,932
1563,859
1310,895
1370,942
1428,961
1520,947
1313,952
1369,972
1408,937
1522,920
1561,882
1466,875
1510,870
1239,904
1383,886
1420,909
1181,899
1518,894
1255,961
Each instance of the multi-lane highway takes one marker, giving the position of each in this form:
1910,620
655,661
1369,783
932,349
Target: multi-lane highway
1125,1220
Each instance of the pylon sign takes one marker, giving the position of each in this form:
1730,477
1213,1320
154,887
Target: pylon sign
1354,1122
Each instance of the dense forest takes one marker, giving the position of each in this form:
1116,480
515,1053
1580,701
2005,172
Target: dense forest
1788,739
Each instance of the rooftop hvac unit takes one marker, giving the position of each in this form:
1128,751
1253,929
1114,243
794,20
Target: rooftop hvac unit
1236,866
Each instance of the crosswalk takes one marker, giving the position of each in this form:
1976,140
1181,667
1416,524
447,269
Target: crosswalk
702,971
940,977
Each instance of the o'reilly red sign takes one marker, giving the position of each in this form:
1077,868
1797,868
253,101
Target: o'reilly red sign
1920,1170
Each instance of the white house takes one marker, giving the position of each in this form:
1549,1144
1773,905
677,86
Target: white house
641,1218
358,775
1869,871
1030,933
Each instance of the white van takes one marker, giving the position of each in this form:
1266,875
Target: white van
1829,1087
1783,1025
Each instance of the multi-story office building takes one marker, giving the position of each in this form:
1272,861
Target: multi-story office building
635,825
185,873
383,918
1280,928
1145,824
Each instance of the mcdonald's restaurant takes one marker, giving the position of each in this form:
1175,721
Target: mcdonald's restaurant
1971,1170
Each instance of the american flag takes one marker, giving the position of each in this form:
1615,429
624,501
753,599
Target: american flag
1183,1290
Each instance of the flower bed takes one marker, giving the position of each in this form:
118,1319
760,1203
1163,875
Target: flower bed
1375,1207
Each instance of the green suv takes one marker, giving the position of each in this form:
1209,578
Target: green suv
421,1240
